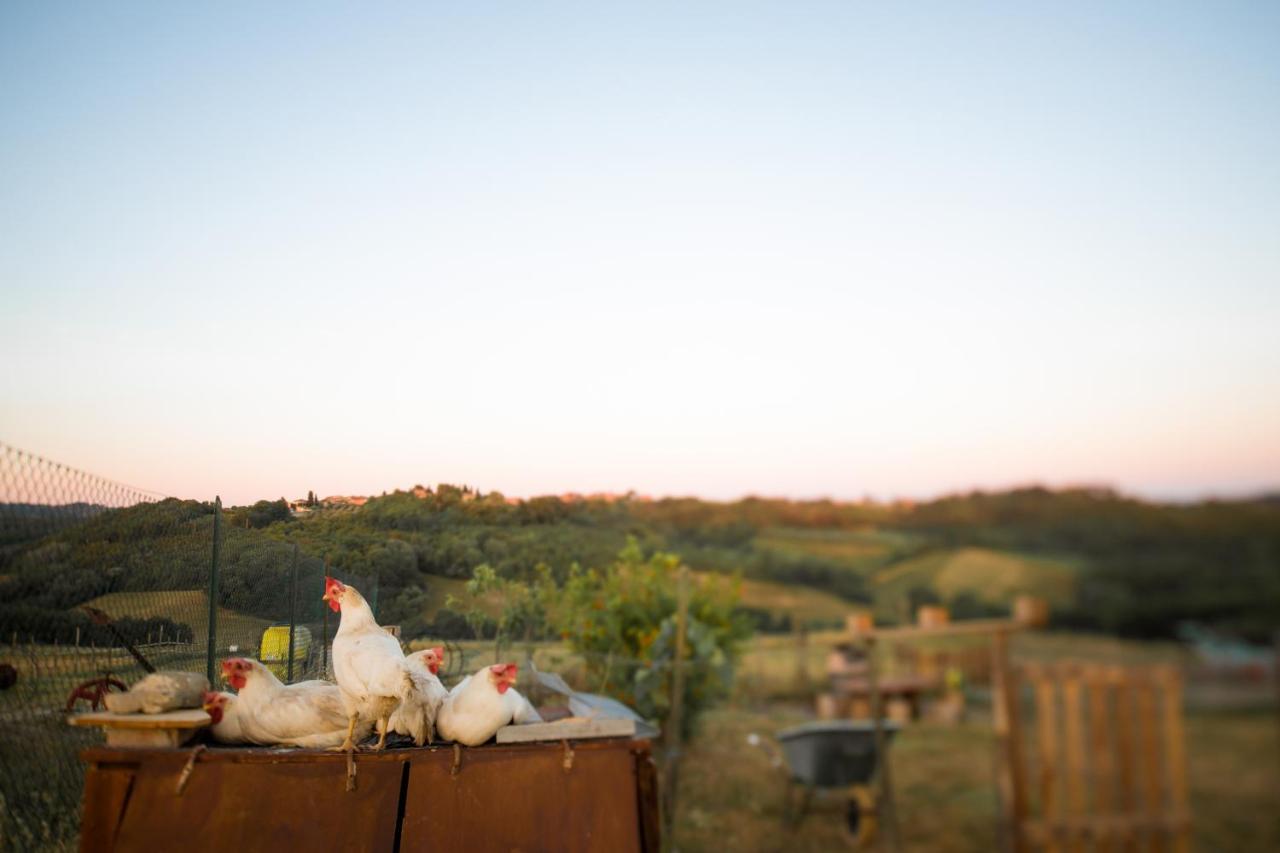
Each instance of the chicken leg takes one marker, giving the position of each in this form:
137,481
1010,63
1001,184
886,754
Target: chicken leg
347,745
382,726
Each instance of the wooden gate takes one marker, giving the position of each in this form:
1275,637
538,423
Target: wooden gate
1093,758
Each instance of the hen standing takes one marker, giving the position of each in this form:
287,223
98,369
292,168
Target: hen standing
373,676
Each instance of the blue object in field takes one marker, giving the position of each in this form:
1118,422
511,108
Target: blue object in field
835,753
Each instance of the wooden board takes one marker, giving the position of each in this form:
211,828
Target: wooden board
229,805
572,728
531,797
595,795
171,728
190,718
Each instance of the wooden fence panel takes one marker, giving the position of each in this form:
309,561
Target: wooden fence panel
1109,761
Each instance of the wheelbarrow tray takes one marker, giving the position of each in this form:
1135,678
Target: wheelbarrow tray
833,754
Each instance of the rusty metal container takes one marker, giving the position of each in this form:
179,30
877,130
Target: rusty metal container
563,796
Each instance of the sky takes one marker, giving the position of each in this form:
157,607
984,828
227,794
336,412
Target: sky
805,249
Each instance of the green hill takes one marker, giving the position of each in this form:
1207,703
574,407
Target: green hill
988,576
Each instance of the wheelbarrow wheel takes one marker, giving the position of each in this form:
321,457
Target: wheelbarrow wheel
860,816
853,816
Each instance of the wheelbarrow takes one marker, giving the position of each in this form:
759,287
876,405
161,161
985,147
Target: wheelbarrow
832,755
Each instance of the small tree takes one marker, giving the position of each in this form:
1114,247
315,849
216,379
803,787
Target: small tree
623,621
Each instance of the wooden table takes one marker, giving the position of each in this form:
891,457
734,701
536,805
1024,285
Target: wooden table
573,796
907,687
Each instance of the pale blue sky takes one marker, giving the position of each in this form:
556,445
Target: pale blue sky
783,248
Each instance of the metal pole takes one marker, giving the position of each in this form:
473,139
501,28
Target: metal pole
324,629
886,806
293,607
675,722
213,590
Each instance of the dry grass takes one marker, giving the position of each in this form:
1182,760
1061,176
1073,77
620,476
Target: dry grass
731,796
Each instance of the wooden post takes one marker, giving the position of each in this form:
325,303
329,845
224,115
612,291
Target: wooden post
1176,760
802,661
675,720
1009,766
1073,716
212,650
888,809
1050,786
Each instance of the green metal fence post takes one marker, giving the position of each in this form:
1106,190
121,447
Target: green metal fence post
293,607
213,590
324,627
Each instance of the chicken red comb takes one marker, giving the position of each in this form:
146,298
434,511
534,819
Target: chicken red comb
330,584
439,650
505,670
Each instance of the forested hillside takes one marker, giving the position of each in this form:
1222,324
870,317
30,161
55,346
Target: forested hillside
1105,561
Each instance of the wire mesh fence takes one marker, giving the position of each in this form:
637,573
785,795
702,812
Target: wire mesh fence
101,583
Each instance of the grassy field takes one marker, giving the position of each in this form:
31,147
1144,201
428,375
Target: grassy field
859,549
802,603
991,576
188,606
440,588
731,795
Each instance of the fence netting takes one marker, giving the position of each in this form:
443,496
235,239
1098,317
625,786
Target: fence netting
100,582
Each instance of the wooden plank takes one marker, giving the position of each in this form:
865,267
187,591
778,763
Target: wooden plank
1010,777
1050,771
1175,752
1101,752
570,728
106,791
243,807
573,800
954,629
191,718
1073,715
1126,757
1149,748
647,801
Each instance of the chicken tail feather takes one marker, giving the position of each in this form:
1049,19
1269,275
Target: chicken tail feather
417,713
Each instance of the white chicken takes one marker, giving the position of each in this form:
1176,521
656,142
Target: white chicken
160,692
427,664
309,714
224,714
482,703
373,676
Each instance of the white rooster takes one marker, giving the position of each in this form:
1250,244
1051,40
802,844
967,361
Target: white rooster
309,714
482,703
373,676
427,664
